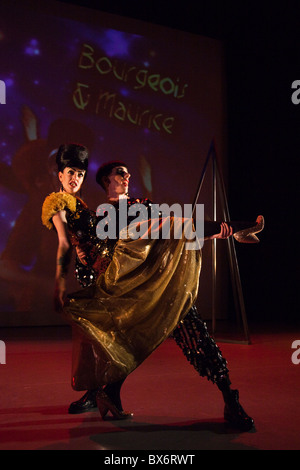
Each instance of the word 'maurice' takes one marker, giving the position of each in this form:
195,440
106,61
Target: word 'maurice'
158,221
111,105
2,92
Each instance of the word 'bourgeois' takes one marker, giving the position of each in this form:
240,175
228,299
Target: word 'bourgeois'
139,77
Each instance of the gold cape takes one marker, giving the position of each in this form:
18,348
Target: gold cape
149,286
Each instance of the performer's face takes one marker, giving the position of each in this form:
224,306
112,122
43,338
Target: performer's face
71,179
118,182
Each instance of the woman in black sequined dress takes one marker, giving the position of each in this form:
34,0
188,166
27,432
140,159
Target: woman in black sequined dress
124,312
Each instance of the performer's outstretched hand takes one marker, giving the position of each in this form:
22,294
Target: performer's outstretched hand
226,232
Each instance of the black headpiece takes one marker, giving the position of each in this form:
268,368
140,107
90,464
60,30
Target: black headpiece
73,156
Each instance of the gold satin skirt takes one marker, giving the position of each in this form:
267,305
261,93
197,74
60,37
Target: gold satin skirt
149,286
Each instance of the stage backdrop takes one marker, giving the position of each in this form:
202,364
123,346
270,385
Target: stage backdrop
129,90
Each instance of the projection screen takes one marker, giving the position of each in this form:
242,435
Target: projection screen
151,96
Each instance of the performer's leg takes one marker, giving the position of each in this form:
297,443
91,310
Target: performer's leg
192,336
108,399
86,403
111,394
114,392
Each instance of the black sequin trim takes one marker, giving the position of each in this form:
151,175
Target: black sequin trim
193,338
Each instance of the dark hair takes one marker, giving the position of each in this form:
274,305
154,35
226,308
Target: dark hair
73,156
106,169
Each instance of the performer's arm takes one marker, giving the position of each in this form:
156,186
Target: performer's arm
63,258
225,232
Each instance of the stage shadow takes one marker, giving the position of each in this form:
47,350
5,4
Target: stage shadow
148,434
181,435
52,428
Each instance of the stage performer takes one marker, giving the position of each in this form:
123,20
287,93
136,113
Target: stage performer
126,296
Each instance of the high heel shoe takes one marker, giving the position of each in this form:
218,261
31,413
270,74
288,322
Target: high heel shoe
247,235
105,405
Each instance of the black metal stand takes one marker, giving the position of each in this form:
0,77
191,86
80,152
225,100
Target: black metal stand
218,184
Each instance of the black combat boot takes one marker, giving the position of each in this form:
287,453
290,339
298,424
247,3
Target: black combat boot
235,414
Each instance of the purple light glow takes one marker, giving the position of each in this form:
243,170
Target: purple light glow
124,92
9,82
116,43
33,48
93,166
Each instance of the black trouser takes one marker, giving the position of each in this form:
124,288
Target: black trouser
200,349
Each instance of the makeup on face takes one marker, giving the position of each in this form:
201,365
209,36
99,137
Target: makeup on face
71,179
119,182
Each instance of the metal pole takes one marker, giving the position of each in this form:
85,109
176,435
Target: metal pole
214,248
235,274
202,178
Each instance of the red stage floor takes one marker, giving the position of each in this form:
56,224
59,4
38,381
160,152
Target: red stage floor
174,408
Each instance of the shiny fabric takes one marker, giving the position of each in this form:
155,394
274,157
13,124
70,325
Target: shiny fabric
149,286
138,291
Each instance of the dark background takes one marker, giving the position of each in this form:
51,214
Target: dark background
262,54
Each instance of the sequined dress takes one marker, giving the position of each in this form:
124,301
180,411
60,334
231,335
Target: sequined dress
135,302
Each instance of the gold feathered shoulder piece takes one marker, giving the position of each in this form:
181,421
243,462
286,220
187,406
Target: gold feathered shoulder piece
54,203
